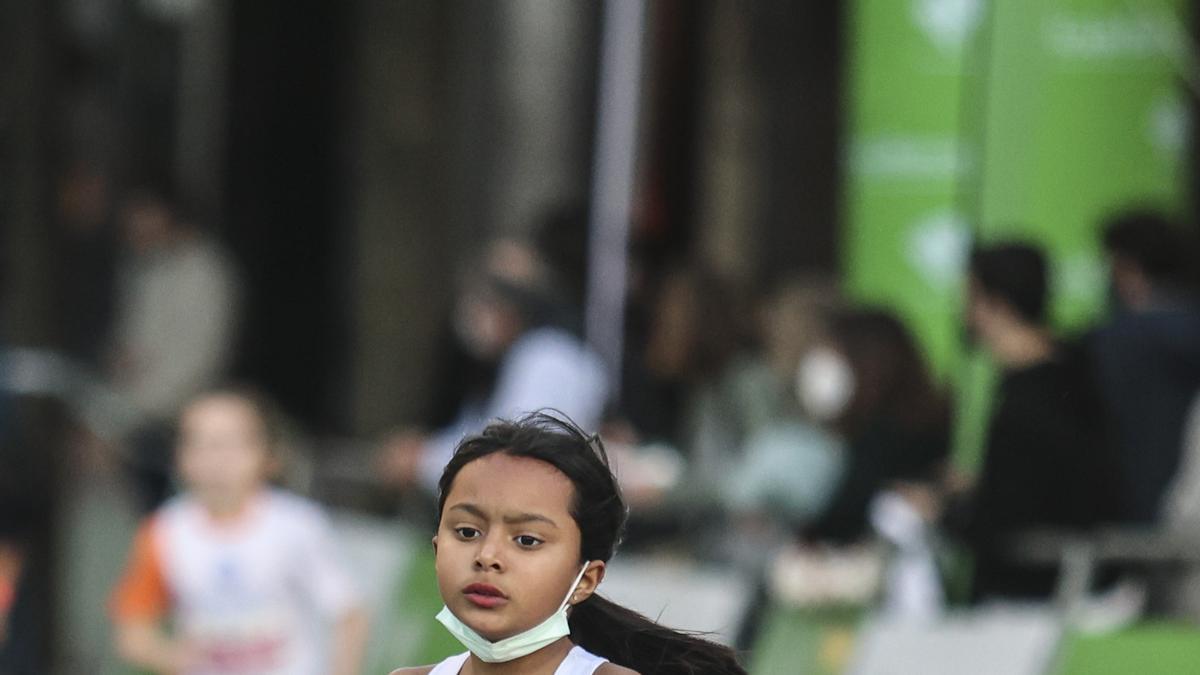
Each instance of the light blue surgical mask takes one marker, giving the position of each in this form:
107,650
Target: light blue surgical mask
522,644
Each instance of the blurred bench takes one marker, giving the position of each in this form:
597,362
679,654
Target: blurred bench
1078,556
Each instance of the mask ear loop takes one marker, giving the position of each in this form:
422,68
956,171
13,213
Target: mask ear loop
574,587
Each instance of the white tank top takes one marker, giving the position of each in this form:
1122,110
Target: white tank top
579,661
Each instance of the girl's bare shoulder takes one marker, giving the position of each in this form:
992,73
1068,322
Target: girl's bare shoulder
419,670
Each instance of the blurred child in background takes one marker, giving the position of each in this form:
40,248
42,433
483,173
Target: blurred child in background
247,576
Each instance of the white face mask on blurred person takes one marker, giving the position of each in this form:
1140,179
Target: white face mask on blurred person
824,383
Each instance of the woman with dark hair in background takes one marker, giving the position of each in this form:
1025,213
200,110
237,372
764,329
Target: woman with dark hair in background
868,382
865,382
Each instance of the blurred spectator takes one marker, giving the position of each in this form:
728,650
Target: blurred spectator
862,381
508,313
1045,463
867,382
175,325
699,389
248,577
789,467
1147,356
461,375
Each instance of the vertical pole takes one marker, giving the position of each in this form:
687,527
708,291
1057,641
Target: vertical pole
613,174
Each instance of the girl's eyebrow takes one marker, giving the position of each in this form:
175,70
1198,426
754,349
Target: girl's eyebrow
512,519
521,518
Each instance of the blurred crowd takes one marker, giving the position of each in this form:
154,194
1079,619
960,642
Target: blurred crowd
800,436
790,433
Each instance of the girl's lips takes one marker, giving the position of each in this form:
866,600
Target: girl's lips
485,595
485,601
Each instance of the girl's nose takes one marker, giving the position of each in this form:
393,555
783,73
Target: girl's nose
487,557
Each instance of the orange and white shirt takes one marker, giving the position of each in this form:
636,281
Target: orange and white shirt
254,596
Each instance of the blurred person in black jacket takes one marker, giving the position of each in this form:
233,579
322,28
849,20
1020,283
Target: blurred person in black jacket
1147,355
1046,463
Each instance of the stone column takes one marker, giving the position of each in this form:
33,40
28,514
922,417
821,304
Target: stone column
542,116
472,118
26,254
400,278
729,197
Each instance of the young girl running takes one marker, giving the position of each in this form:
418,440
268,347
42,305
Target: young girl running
530,515
247,576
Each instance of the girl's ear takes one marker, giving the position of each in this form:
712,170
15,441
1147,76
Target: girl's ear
434,542
592,577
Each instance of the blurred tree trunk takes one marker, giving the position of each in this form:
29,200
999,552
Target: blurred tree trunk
731,143
399,256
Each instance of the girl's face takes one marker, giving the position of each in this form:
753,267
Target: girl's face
222,451
507,547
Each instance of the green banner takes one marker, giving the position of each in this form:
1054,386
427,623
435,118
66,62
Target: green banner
1022,119
1081,114
904,233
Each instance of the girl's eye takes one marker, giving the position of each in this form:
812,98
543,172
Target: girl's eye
527,541
467,532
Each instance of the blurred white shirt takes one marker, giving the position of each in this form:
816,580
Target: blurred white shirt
176,317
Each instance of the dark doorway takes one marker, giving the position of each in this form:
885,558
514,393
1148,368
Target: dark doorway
285,197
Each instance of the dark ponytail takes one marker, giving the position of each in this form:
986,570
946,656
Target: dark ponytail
600,626
629,639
